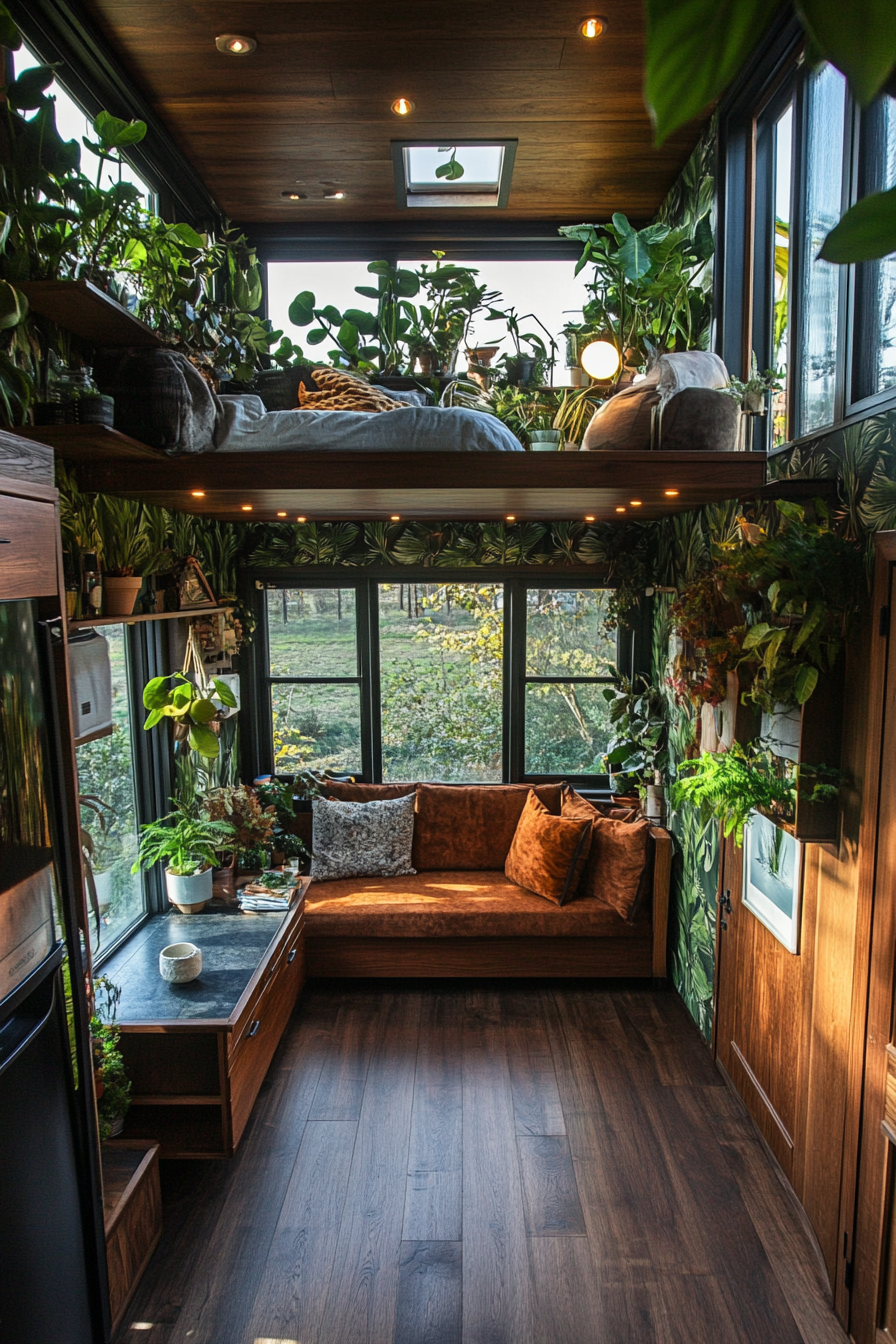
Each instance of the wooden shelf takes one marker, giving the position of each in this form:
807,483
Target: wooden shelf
88,622
87,312
92,443
446,486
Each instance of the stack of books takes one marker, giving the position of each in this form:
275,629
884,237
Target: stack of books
272,891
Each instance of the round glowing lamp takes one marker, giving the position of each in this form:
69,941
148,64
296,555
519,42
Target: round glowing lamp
600,360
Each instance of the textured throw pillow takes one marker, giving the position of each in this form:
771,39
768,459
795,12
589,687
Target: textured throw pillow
617,872
547,854
362,839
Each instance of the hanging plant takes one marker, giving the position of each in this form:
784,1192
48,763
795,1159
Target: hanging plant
189,705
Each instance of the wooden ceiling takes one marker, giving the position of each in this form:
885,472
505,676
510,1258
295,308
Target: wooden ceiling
309,110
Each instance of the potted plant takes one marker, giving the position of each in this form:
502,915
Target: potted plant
125,548
280,795
189,707
730,785
251,823
544,437
111,1083
189,846
639,748
525,367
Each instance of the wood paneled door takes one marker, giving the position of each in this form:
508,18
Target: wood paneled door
873,1316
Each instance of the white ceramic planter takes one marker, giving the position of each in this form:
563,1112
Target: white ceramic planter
103,884
179,963
121,594
189,894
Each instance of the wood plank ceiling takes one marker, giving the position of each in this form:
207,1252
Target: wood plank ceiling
309,110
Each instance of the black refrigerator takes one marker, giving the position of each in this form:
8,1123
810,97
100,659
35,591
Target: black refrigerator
52,1257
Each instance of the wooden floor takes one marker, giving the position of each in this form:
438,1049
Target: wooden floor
474,1164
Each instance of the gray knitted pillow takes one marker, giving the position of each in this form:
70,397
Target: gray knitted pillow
362,839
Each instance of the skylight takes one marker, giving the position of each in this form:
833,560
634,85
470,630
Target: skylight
462,173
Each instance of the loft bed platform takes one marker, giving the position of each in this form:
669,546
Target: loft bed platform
363,486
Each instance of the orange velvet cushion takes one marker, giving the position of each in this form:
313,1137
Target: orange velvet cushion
547,854
574,805
471,826
618,867
344,792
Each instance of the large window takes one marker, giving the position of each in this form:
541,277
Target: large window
463,681
875,336
108,810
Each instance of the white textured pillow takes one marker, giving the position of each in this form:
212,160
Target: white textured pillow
362,839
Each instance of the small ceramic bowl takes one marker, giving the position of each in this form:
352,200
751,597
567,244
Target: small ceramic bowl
180,962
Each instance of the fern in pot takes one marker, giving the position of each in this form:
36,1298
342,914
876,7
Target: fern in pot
125,548
189,847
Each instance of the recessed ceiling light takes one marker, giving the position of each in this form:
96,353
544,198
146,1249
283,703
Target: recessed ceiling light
670,494
301,518
620,508
334,195
402,106
234,44
395,517
511,518
246,508
293,195
281,513
635,503
589,517
198,494
593,26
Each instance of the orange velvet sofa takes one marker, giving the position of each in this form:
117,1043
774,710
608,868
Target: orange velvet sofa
460,916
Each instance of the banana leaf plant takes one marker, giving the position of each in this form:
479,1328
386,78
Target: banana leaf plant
188,707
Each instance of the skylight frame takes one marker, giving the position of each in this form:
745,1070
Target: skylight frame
449,195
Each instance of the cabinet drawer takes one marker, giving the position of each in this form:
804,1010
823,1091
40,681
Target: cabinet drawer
250,1012
255,1049
27,548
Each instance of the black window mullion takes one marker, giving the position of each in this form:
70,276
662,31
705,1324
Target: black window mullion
514,683
368,684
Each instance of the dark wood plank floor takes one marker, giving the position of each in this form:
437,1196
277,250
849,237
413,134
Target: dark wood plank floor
520,1163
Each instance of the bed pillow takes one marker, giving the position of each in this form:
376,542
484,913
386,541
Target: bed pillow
548,854
362,839
617,871
339,391
471,826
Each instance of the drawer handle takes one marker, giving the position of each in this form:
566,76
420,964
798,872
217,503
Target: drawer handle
292,956
254,1027
5,541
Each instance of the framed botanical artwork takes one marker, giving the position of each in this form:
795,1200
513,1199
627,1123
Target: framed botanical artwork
773,863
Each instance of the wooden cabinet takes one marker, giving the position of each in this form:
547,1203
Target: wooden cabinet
195,1078
27,547
132,1208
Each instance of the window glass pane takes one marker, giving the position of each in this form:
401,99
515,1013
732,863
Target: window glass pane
876,324
481,165
565,634
331,282
820,280
549,289
567,729
441,650
312,632
783,140
108,816
73,124
316,727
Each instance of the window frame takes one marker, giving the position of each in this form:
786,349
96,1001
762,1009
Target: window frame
739,261
633,655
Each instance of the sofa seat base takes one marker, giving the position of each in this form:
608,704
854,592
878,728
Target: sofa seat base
456,905
448,958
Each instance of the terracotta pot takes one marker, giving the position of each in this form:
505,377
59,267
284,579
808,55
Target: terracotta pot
224,880
121,594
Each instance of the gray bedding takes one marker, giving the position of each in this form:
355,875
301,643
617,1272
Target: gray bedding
244,426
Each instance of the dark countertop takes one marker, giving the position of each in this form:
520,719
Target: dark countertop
232,944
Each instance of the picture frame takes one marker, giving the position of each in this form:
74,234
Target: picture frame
773,879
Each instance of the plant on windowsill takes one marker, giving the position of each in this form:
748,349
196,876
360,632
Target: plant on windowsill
280,795
124,548
189,846
730,785
113,1088
252,823
639,748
